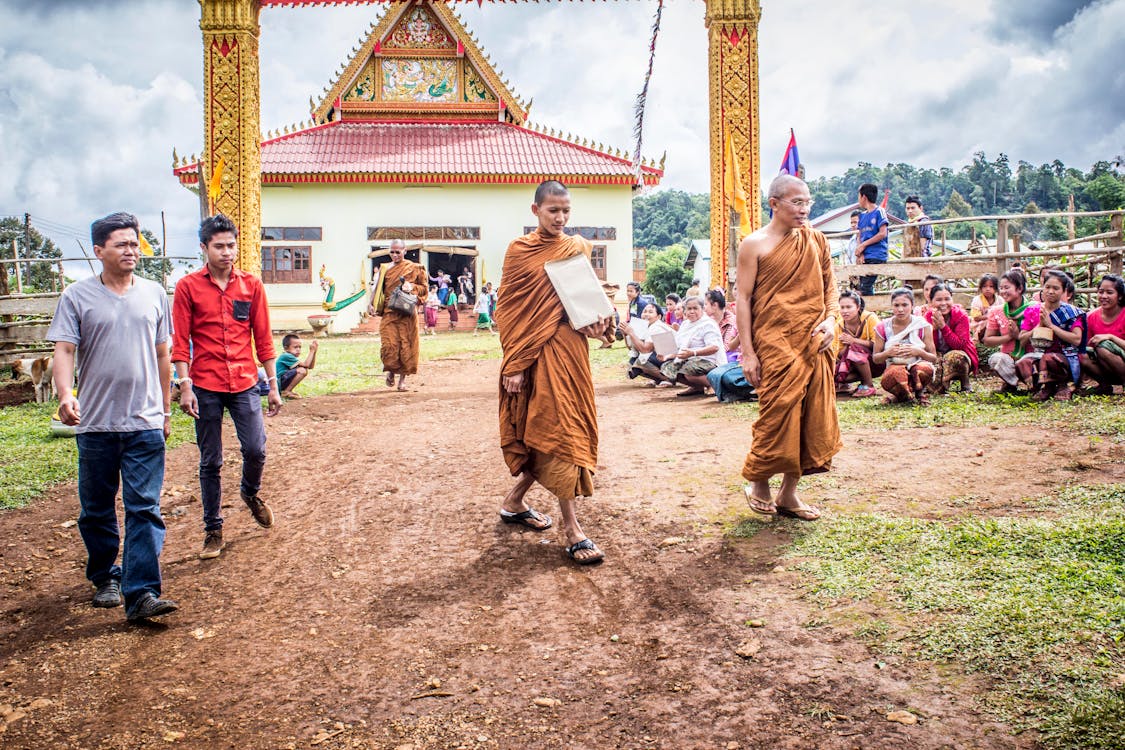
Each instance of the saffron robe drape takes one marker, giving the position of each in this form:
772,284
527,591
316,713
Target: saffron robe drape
796,431
398,332
549,428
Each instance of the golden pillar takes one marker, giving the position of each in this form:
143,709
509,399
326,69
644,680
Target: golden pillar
732,31
230,118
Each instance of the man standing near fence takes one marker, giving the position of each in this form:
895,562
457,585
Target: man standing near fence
917,242
218,310
118,325
872,247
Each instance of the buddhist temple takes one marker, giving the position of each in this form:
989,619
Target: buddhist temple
420,137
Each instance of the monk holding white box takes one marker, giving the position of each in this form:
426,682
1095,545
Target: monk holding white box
548,421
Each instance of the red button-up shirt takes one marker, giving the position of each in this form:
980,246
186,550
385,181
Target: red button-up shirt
213,328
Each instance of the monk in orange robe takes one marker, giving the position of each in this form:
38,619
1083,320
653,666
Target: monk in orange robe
398,331
548,421
787,310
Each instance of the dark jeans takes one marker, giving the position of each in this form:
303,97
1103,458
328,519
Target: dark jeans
867,283
246,412
135,462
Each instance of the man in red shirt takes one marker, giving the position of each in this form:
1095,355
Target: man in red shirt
216,311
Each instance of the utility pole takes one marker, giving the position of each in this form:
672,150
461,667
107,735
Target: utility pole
27,234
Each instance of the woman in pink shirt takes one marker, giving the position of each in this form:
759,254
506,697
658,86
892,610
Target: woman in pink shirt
1104,359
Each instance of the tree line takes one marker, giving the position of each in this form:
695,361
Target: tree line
665,222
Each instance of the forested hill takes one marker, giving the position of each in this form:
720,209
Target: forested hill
668,218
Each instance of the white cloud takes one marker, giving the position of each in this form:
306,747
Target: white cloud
94,95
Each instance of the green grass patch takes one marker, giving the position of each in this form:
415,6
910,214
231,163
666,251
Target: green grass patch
34,459
348,364
1037,604
1097,415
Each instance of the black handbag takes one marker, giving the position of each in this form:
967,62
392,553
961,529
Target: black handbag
402,301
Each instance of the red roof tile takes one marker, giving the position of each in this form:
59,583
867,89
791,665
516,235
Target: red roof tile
445,151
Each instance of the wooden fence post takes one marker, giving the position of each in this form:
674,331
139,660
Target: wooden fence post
1002,243
19,274
1117,223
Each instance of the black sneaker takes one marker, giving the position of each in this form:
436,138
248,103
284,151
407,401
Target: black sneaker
212,544
150,607
108,594
258,508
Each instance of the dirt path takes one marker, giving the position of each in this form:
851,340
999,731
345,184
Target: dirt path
389,608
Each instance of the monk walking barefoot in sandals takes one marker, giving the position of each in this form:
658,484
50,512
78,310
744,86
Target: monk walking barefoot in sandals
787,310
548,422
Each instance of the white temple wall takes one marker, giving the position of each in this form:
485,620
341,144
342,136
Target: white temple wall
345,211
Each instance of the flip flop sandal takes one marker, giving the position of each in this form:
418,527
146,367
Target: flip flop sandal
585,544
759,505
806,513
689,394
521,519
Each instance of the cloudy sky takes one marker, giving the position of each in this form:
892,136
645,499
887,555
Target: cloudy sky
94,94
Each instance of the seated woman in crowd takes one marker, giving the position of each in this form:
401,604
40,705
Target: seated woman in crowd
1003,329
1054,364
855,332
1104,360
985,300
927,284
716,308
642,354
1038,296
953,341
700,350
905,344
673,312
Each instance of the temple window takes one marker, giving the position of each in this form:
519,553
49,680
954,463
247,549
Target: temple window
282,264
597,260
290,234
419,234
638,259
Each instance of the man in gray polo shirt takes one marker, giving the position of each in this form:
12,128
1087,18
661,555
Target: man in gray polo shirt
119,326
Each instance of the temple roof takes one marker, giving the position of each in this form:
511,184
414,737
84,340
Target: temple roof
419,59
436,152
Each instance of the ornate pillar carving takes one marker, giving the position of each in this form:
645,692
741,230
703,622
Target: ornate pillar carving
732,31
231,129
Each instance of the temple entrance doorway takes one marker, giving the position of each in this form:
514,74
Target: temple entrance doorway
454,262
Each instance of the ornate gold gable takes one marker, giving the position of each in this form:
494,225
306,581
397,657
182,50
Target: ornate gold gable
419,60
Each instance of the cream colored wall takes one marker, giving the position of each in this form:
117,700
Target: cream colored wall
345,211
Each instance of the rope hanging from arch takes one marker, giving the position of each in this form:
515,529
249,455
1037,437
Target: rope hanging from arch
639,108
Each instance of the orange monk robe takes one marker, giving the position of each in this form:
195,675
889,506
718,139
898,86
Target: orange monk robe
795,290
398,333
549,428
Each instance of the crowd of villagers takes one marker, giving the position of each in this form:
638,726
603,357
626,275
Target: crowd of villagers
1041,345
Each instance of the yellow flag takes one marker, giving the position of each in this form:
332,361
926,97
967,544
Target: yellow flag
215,186
146,248
736,195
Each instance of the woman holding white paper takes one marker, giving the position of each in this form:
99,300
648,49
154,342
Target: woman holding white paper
643,360
700,350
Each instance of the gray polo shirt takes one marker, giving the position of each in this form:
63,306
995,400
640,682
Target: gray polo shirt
116,337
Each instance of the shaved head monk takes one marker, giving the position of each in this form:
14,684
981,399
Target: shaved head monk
398,331
787,310
548,422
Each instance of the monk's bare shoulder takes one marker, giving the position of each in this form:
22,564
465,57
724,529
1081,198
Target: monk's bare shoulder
760,242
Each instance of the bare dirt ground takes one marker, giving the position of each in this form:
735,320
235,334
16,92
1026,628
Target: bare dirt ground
389,608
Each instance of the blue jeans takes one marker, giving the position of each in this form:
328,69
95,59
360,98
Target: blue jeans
246,412
135,462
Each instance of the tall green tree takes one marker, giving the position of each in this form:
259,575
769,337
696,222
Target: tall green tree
665,273
37,277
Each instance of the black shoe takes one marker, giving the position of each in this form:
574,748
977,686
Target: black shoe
150,606
108,594
258,508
